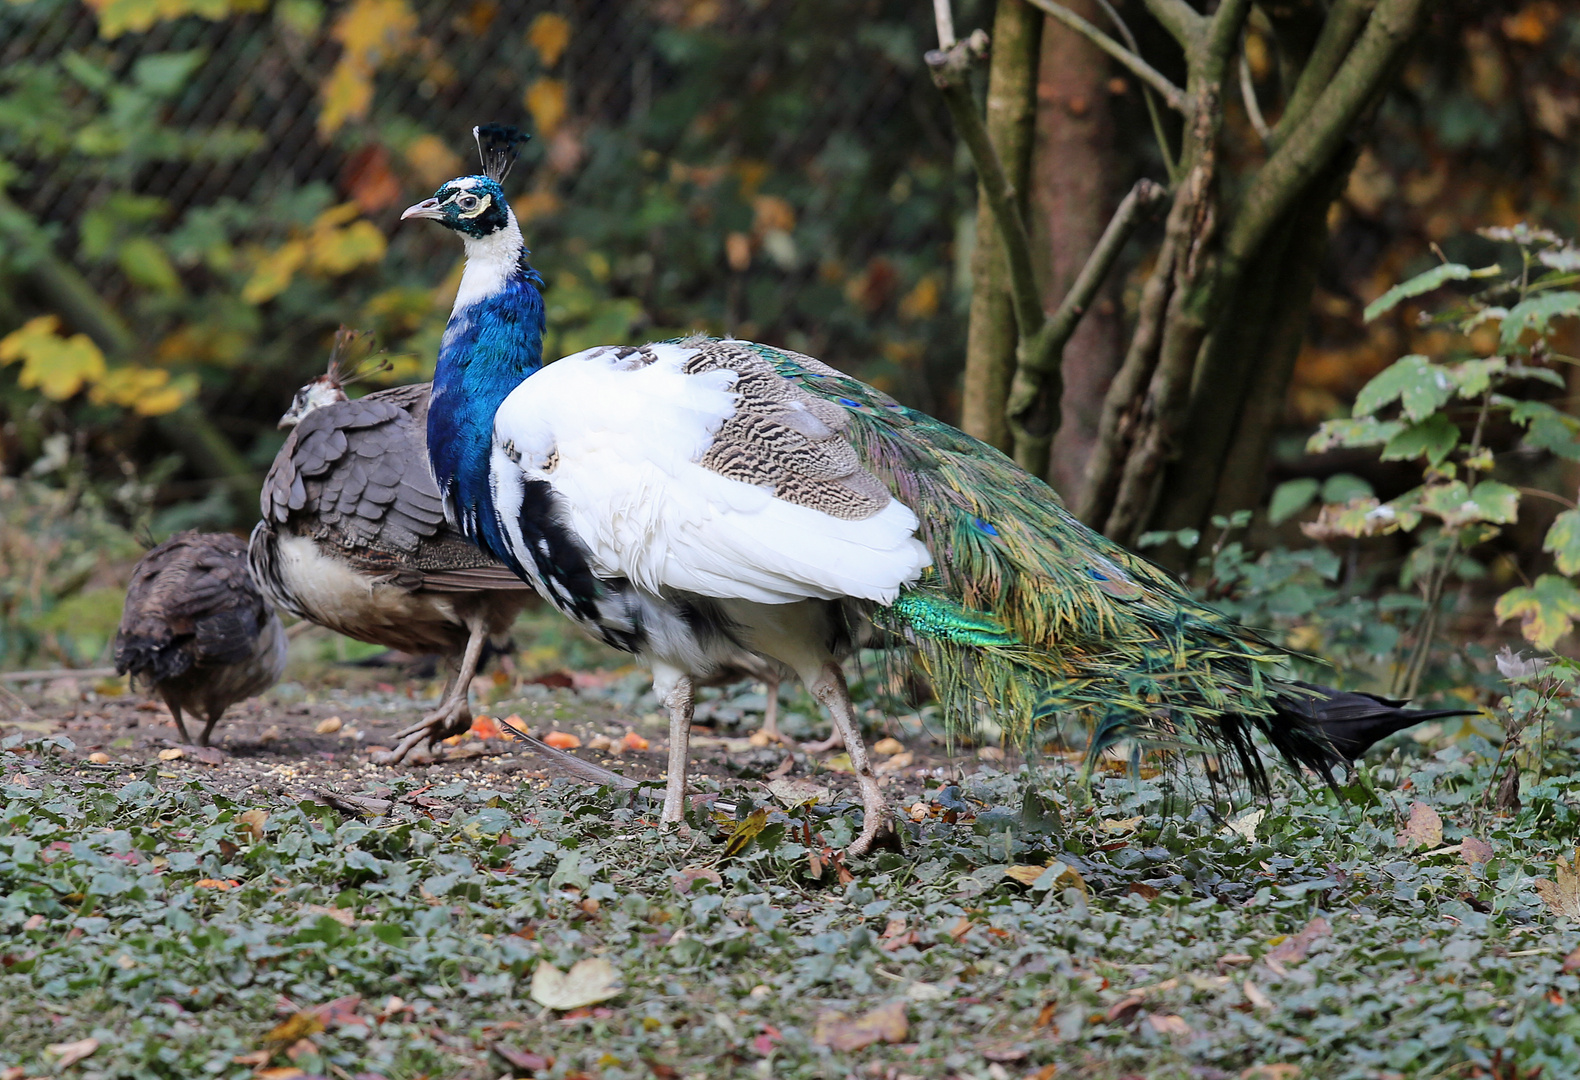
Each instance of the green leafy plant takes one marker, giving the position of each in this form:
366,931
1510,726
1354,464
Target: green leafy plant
1441,414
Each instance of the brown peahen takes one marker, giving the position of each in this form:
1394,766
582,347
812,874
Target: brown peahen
196,630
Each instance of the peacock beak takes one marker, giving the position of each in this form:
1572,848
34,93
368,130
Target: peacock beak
428,208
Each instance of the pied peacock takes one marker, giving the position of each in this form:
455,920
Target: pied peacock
687,499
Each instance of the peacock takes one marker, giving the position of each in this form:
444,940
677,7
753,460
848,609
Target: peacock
196,630
686,499
353,538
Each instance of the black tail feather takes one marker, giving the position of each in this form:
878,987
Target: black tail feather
1332,728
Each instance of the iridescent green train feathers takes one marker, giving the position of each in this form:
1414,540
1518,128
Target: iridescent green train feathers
1027,612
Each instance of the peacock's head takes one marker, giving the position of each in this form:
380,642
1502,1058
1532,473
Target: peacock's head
475,206
352,358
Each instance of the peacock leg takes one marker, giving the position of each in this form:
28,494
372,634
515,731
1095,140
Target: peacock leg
770,728
454,714
823,746
679,695
213,718
830,689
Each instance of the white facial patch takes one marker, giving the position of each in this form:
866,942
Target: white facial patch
482,204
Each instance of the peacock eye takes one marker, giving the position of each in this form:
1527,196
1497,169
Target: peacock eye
467,202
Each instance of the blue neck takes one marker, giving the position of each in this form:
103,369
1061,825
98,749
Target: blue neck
491,344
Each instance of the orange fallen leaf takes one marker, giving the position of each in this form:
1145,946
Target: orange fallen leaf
633,741
486,727
175,753
1293,950
295,1028
254,820
1424,829
562,740
218,883
1474,851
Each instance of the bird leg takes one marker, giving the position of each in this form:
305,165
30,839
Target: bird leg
823,746
454,714
830,689
208,727
680,698
175,711
770,728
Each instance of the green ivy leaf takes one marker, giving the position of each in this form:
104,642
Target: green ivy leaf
1424,283
1433,438
1420,386
1472,377
1458,504
1290,498
1534,314
1563,540
1548,428
1342,487
1361,431
1547,610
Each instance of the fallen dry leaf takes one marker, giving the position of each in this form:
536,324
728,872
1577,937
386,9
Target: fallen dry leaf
1024,874
1114,826
295,1028
562,740
839,763
99,758
1245,825
683,881
283,1072
795,793
887,1023
1278,1071
217,883
329,726
1572,962
255,821
1562,896
1256,997
175,753
1293,950
1424,829
586,983
256,1059
208,755
1169,1024
1475,852
633,741
888,747
72,1052
1123,1010
486,727
894,764
524,1060
343,916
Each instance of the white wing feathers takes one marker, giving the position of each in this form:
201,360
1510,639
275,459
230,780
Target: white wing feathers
620,442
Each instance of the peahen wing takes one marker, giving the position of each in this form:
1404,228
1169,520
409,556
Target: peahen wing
190,603
354,476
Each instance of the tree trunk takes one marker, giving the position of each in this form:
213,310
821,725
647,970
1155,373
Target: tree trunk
1074,167
991,337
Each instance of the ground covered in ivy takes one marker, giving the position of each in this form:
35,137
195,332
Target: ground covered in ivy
1021,924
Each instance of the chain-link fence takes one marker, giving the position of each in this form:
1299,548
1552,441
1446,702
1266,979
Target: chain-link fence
777,169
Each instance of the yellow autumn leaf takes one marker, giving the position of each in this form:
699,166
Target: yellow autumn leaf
274,272
545,100
117,17
57,366
147,391
922,301
348,94
549,34
376,30
432,160
343,214
339,251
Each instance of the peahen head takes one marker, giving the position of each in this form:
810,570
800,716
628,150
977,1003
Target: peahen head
351,359
475,206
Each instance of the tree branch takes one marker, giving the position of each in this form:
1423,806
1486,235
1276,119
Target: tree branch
1223,34
1039,376
1170,166
1252,108
1306,148
1338,32
944,17
1184,24
1173,96
951,69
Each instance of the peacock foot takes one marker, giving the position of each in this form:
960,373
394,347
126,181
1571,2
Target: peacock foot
442,723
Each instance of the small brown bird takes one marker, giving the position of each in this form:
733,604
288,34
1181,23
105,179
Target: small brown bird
197,630
353,537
